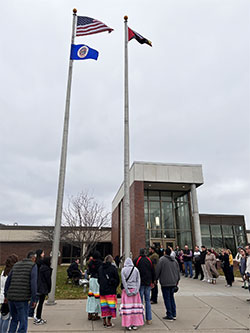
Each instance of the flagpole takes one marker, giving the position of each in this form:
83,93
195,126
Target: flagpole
61,182
126,200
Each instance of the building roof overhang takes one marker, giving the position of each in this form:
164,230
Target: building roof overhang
163,176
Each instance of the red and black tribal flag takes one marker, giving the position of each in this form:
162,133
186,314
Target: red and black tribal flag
142,40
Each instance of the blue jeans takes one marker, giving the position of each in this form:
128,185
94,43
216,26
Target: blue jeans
188,266
4,324
19,314
145,290
168,296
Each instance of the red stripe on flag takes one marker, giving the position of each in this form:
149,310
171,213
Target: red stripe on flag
131,34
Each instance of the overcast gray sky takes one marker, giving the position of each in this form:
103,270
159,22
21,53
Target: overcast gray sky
189,100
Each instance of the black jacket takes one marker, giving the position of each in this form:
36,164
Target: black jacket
224,260
108,279
44,280
202,257
146,269
74,270
93,267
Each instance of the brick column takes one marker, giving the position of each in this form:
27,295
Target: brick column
137,217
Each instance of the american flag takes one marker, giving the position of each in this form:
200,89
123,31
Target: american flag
88,26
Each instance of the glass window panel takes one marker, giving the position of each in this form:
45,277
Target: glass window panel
147,239
206,241
154,195
166,196
217,242
154,214
169,233
180,197
229,243
145,195
215,230
182,216
183,238
76,251
205,229
156,234
241,240
167,215
227,229
146,216
239,230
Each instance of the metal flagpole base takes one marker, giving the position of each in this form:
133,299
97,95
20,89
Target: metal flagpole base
50,302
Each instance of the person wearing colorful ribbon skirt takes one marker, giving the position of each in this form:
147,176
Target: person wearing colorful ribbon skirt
108,279
93,307
131,308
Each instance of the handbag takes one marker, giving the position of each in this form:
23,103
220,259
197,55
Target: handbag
176,288
122,287
5,312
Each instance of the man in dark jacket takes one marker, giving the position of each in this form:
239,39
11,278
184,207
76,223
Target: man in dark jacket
74,272
204,276
155,259
20,288
147,274
168,272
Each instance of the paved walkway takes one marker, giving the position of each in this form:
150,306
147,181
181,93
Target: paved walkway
200,308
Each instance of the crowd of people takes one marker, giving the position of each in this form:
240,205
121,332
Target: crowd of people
138,284
206,262
25,283
24,286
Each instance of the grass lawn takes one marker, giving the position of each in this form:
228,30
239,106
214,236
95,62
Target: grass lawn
65,290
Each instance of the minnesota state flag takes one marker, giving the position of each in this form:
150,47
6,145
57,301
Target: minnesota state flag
82,52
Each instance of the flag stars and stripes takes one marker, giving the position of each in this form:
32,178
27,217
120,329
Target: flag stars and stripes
87,26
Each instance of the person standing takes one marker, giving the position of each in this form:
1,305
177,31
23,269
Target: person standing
247,271
154,257
161,251
210,262
4,321
131,308
187,257
197,262
43,288
108,280
168,272
147,275
238,254
93,307
20,288
39,259
224,257
204,274
231,263
242,267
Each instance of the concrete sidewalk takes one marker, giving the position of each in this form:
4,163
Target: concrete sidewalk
201,307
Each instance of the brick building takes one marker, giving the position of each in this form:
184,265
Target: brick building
22,239
164,210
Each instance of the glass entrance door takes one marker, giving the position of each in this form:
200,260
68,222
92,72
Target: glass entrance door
165,242
169,242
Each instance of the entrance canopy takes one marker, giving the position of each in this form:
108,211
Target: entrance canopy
161,206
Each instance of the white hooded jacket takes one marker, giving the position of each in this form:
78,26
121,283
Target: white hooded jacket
134,281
